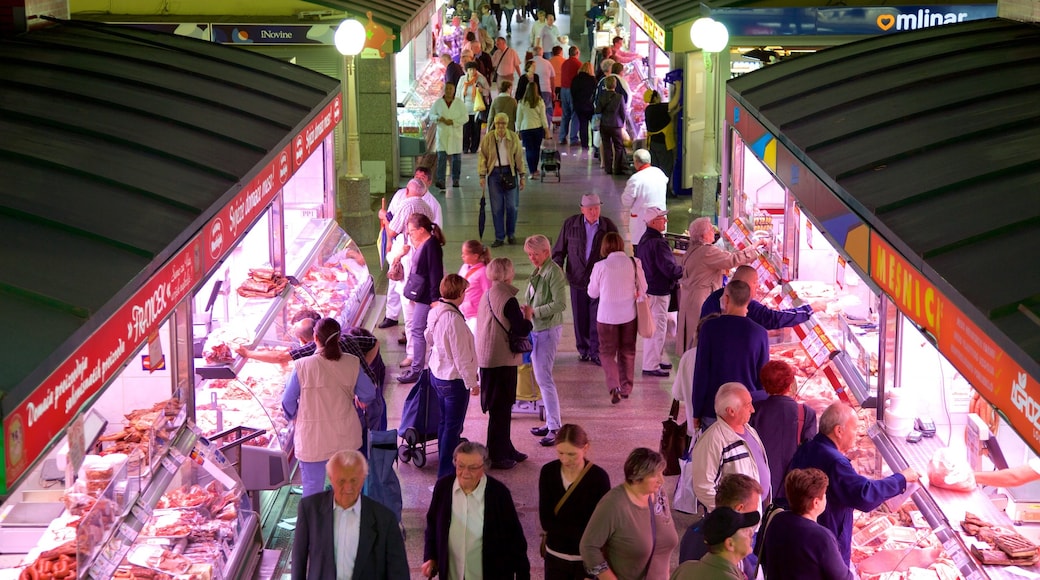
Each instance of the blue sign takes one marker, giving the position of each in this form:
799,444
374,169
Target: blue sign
845,20
273,34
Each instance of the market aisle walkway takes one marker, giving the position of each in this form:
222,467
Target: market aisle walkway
615,429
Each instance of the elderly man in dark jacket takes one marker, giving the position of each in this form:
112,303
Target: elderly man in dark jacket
662,274
577,251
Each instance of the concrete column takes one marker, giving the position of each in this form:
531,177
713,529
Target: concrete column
354,211
706,99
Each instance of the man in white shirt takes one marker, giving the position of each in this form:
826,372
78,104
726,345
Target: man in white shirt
395,288
343,536
648,187
506,62
460,540
549,36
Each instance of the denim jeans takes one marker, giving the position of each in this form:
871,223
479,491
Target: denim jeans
313,475
503,205
569,119
442,166
546,342
417,335
453,398
547,98
532,140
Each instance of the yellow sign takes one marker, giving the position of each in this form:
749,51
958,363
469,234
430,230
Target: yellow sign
644,21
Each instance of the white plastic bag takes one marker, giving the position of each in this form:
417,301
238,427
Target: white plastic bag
949,471
684,499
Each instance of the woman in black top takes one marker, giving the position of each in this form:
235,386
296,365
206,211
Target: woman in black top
529,77
563,528
583,88
423,286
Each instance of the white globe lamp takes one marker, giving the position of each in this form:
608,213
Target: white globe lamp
350,38
350,41
709,35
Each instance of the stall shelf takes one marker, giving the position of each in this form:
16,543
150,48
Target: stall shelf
892,186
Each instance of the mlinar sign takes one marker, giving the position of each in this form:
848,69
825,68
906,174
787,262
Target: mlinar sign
923,18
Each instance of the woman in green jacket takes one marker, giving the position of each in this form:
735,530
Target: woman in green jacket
546,301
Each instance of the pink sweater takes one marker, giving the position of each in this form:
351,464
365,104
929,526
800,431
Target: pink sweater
478,285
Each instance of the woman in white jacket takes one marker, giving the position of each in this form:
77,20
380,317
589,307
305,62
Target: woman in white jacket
617,281
453,367
530,125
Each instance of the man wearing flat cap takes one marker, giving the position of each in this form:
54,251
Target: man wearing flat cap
577,251
729,535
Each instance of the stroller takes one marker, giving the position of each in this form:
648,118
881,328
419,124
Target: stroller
550,161
419,419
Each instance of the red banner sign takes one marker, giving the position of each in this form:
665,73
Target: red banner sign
29,430
307,140
992,372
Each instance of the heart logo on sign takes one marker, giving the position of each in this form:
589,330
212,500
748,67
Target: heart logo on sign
886,21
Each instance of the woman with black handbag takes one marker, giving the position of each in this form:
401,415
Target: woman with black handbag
422,287
500,164
502,336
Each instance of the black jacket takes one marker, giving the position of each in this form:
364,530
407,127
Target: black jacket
612,108
569,251
521,86
659,265
583,89
504,552
452,73
381,552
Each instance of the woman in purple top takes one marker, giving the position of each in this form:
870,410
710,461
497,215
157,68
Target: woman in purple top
794,545
782,422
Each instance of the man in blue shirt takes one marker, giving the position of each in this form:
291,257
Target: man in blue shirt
767,318
848,490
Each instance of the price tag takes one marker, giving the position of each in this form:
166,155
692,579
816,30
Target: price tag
170,464
737,234
839,273
141,511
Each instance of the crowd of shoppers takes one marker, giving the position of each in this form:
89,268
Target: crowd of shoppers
756,444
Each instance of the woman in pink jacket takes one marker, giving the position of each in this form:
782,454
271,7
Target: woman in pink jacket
475,258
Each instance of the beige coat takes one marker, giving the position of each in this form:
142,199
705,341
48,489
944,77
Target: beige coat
327,421
492,341
703,267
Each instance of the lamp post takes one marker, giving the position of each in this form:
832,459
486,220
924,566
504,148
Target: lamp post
354,210
350,40
711,37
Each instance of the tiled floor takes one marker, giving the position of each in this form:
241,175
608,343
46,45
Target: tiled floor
615,429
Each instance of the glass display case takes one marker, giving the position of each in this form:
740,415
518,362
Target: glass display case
329,276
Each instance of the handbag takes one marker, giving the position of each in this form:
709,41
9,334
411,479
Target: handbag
415,286
559,504
673,298
674,440
517,344
506,180
478,101
396,271
644,319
